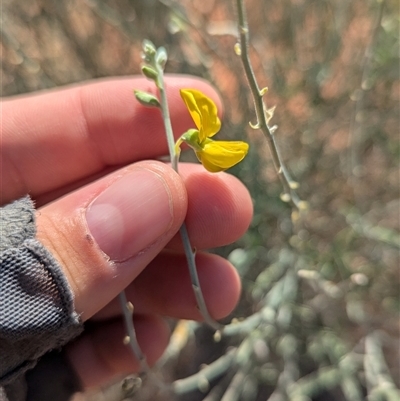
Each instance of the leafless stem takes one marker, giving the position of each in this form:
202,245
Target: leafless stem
131,340
289,194
357,123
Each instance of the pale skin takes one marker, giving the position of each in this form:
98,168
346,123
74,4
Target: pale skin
66,148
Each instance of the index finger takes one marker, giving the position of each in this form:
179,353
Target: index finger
53,139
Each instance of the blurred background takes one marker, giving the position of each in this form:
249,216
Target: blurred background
320,300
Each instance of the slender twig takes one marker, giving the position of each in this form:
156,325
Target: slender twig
234,390
153,68
127,310
204,376
189,251
190,255
166,117
131,340
377,374
356,125
262,113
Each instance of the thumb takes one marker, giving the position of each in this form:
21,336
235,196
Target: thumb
106,233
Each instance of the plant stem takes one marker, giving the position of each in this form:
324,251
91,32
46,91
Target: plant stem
131,340
127,310
262,120
153,69
190,254
166,117
191,259
207,374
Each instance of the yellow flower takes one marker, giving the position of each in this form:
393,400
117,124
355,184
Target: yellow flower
214,155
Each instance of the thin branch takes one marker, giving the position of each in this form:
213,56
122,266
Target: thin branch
131,340
355,131
189,250
204,376
264,115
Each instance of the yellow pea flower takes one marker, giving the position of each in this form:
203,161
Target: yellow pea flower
214,155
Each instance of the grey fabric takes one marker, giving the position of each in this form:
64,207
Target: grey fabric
17,223
36,303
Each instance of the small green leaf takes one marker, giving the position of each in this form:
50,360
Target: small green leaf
148,48
161,56
149,72
146,99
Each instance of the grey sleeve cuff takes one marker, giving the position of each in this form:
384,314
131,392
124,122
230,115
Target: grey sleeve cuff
36,303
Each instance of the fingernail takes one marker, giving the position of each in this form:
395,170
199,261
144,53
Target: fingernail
130,215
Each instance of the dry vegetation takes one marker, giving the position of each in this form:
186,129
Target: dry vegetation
331,278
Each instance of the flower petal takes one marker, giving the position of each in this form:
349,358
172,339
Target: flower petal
191,104
221,155
203,111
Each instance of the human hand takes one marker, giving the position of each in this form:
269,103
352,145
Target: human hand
110,216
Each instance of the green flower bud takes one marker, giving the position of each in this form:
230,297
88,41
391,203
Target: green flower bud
149,72
148,48
146,99
161,56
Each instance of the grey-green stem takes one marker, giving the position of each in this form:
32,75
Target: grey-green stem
127,310
190,254
261,112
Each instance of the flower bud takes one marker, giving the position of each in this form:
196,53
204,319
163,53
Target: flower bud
146,99
161,56
149,72
148,48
